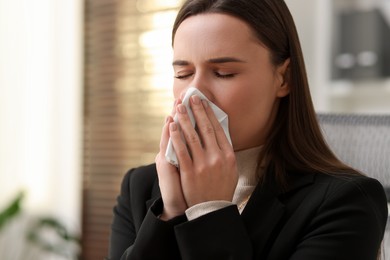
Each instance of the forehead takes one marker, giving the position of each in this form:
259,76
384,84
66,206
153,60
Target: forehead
213,32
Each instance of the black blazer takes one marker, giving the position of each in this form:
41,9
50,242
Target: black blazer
318,217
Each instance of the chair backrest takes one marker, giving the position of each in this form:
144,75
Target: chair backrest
361,141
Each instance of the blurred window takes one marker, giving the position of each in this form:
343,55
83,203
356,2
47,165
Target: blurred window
128,79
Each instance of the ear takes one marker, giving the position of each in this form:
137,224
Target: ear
283,74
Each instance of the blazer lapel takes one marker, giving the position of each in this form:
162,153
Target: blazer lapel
263,215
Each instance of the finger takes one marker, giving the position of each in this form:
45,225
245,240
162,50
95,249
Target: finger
181,150
204,126
187,129
165,134
174,108
220,135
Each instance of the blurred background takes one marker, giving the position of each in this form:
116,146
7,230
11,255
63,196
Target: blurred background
86,84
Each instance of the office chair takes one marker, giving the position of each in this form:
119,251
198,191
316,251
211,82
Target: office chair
363,142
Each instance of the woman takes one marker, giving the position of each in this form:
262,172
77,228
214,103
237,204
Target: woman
277,192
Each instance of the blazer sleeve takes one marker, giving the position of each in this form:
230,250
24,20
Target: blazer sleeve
220,234
156,239
349,224
122,228
132,241
139,235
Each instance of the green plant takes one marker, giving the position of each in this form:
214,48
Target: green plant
11,211
44,234
59,240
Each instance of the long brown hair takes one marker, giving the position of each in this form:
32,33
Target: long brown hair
296,142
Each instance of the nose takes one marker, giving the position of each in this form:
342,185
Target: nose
201,83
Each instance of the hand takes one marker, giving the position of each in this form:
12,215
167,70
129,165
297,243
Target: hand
169,179
208,168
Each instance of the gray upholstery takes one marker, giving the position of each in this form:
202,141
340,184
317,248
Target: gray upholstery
361,141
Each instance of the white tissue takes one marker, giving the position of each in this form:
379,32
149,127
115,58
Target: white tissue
222,117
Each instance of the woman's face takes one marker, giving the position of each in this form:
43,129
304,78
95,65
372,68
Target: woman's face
220,55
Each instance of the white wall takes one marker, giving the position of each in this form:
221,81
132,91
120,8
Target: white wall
313,25
41,106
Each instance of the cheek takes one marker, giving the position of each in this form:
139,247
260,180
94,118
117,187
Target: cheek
177,90
250,114
176,94
249,126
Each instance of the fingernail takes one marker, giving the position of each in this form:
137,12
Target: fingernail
181,108
172,127
205,103
167,119
195,99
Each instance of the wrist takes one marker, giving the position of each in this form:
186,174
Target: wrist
166,215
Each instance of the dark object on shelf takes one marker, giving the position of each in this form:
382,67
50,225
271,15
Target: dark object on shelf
361,45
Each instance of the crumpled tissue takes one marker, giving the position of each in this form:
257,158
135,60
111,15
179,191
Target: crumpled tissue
222,117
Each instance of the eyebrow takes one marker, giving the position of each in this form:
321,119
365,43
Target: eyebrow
215,60
225,60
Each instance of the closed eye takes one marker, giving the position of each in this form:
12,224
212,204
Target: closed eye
183,76
224,76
